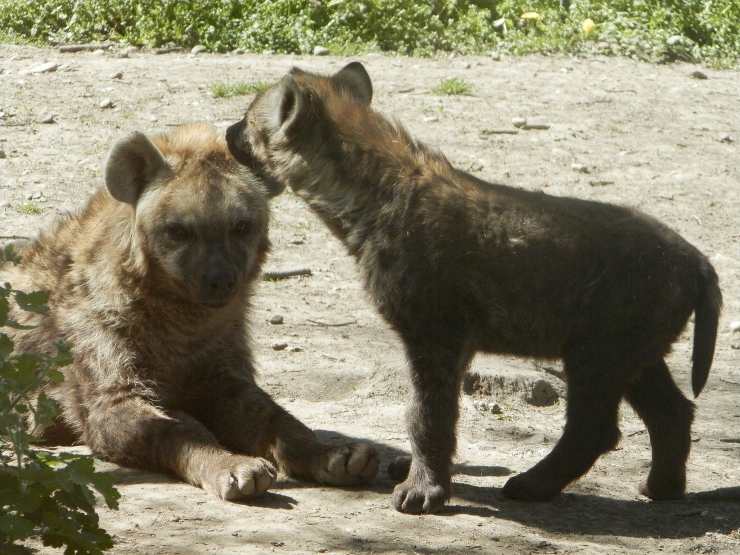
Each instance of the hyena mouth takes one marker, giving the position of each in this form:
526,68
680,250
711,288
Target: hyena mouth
241,150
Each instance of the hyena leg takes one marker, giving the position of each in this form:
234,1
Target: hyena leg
131,432
436,372
591,428
668,416
247,420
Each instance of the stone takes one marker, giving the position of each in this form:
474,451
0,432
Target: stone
543,394
580,168
735,326
518,122
2,154
320,51
48,118
277,320
726,138
197,49
698,75
117,75
279,346
106,104
42,68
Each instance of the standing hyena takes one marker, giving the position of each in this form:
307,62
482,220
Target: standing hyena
150,283
457,265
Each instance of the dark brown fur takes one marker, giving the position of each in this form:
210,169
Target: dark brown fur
163,375
458,265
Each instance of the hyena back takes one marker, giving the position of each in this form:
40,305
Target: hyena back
150,284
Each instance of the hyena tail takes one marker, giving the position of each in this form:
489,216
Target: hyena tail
706,315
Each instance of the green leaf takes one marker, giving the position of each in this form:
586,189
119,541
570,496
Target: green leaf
8,254
6,346
4,310
33,302
15,527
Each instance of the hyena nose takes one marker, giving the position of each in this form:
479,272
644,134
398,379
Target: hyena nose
220,281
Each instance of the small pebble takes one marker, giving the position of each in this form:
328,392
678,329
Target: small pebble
277,320
238,51
536,123
296,349
580,168
735,326
698,75
48,118
430,119
117,75
42,68
496,56
106,103
320,51
518,122
726,138
279,346
2,154
197,49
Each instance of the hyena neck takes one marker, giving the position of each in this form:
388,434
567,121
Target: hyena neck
373,164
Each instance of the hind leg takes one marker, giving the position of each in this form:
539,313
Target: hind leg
668,416
594,394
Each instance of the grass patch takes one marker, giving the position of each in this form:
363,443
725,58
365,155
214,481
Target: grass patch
30,209
453,87
227,90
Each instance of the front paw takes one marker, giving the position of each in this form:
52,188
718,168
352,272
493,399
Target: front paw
418,495
528,487
238,477
347,465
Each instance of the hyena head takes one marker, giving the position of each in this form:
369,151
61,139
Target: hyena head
198,220
298,124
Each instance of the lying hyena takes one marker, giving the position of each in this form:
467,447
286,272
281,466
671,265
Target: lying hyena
150,284
457,265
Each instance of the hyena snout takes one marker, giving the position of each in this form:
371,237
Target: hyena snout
219,283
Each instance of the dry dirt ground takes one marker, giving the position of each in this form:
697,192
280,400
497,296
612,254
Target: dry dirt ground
648,136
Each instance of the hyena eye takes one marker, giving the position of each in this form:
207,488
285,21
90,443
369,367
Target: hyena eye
177,232
241,226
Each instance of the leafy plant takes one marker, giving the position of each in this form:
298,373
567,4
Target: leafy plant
30,209
227,90
453,87
42,494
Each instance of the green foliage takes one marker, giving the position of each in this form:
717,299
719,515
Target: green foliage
654,30
659,30
256,25
241,88
42,494
453,86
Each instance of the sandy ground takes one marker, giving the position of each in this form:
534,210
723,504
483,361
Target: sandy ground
648,136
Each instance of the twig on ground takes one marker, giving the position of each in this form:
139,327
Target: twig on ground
85,47
13,237
553,372
328,325
285,274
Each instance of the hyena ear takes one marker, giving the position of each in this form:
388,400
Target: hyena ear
132,164
287,103
354,78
